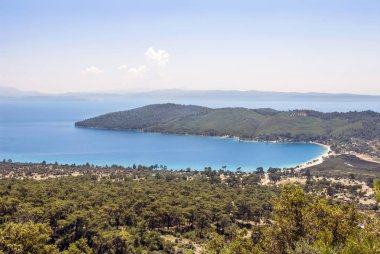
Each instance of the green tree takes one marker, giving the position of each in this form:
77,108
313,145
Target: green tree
376,186
241,245
288,224
78,247
31,238
216,244
302,223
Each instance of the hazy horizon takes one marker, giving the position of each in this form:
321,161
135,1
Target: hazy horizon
283,46
138,91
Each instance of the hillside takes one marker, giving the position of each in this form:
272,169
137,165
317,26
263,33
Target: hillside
263,124
69,209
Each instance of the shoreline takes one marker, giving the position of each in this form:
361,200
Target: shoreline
313,162
316,161
248,169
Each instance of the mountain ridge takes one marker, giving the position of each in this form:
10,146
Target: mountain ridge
7,91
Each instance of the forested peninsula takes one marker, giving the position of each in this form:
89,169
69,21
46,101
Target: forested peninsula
242,122
350,131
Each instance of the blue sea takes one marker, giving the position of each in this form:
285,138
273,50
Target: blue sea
36,131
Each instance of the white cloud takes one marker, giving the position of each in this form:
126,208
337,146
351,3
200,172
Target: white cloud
93,70
160,57
138,72
122,67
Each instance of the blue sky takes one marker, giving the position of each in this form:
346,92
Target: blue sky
282,45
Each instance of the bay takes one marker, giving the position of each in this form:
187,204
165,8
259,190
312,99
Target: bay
44,131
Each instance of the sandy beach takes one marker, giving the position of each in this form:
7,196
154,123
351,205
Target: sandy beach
317,160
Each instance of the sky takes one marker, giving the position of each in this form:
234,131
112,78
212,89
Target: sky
112,45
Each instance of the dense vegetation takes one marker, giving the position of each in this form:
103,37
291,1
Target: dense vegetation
262,124
148,211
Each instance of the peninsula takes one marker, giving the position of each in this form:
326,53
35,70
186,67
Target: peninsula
356,132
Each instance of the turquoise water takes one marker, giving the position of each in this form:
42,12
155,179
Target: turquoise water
37,131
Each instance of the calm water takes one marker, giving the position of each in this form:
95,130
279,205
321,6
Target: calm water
37,131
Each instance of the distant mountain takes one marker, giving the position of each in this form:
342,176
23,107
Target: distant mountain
178,94
212,98
6,91
262,124
248,95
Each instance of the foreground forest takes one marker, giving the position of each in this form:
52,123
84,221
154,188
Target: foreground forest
116,210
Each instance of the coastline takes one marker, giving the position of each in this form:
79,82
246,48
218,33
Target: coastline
313,162
318,160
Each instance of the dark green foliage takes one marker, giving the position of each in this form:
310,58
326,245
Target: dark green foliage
144,117
119,210
85,213
263,124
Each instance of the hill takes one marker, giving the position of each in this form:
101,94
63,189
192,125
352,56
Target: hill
259,124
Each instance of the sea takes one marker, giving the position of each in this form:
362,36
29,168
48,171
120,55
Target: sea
43,130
